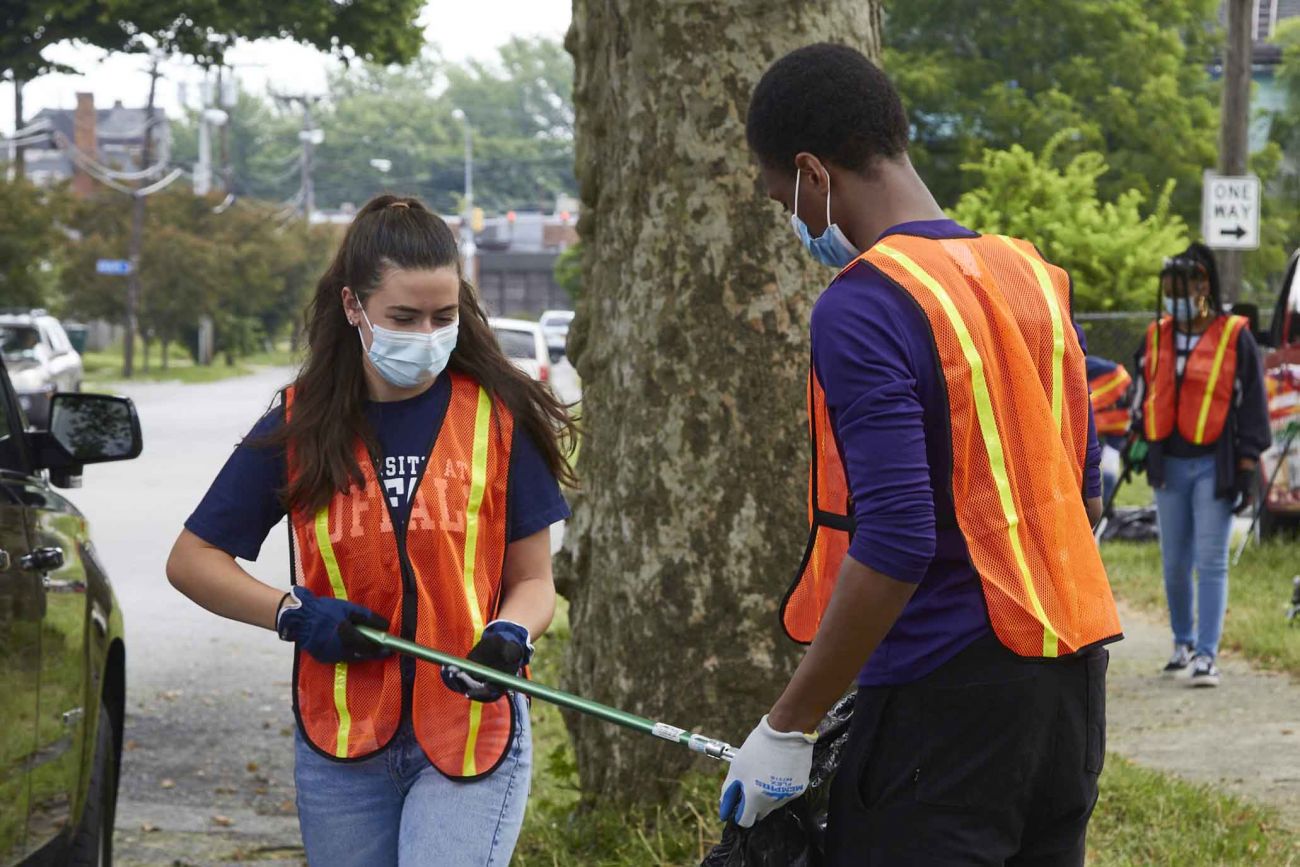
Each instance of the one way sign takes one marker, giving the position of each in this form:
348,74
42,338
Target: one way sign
1230,212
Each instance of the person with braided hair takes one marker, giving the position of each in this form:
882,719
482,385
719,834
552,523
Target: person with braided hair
1202,410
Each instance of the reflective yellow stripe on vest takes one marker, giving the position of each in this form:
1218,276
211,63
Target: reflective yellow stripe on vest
478,484
1152,362
1219,352
1115,382
1058,327
340,592
989,432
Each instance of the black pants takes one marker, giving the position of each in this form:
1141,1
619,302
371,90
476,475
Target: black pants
992,759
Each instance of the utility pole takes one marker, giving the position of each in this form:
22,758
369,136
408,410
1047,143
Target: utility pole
19,157
227,96
308,137
137,231
209,117
468,249
203,168
1234,129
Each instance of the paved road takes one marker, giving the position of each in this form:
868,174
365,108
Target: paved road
207,773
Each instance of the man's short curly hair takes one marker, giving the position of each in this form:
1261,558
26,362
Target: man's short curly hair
830,101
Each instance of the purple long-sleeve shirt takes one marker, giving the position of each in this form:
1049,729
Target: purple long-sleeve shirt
873,353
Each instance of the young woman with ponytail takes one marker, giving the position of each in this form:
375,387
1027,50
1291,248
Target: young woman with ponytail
1203,412
420,474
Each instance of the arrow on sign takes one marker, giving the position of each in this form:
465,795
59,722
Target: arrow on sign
1239,232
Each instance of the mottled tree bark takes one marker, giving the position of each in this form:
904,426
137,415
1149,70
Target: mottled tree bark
691,340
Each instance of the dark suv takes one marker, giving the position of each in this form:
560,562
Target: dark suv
62,656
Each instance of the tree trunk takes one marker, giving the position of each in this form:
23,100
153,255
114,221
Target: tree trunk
691,340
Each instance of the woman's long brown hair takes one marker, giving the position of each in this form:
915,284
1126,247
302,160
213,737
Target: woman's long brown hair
328,417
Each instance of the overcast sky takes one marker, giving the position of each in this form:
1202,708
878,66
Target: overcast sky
460,29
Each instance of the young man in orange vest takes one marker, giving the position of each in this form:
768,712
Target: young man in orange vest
951,566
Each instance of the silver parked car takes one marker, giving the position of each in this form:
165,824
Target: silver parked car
555,325
41,361
524,344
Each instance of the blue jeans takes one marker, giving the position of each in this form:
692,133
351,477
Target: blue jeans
395,809
1194,532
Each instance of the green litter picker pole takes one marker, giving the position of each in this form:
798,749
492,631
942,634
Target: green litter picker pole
714,749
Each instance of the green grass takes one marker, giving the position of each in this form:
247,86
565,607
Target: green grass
105,367
1259,590
1143,817
1136,492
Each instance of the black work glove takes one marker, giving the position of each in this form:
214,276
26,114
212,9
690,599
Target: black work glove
327,628
1247,485
505,647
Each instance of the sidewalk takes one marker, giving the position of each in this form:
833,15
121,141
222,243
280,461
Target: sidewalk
1243,737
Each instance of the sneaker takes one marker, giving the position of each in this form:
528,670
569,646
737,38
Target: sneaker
1179,662
1204,671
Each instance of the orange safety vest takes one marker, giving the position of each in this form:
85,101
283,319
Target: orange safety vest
1202,400
1106,391
1000,319
438,584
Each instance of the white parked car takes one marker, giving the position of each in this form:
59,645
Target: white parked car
555,325
41,361
524,344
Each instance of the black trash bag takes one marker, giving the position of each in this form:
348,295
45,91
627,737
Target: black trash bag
793,835
1132,524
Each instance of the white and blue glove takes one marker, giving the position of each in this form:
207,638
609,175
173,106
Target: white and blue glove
505,646
327,628
771,768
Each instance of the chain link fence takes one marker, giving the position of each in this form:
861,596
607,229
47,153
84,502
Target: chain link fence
1118,335
1115,336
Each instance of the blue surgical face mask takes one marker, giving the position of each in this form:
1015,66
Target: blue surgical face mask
1180,308
832,248
406,359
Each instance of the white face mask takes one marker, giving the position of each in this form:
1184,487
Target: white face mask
831,247
409,358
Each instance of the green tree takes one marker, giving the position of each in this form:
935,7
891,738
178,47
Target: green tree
384,31
1129,75
393,114
262,139
1111,249
568,271
521,111
246,267
519,108
28,27
30,243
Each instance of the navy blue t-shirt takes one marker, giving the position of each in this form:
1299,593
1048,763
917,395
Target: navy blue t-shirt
243,505
873,353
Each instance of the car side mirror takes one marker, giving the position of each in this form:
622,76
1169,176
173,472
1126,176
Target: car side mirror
86,429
